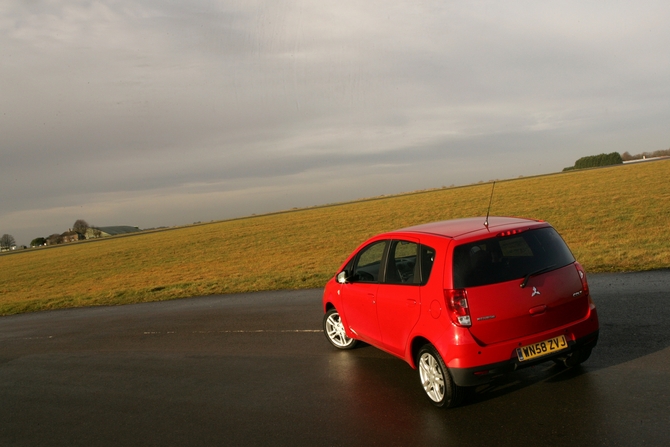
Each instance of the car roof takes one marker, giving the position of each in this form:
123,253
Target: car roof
473,227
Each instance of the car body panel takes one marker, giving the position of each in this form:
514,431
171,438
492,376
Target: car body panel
360,306
473,228
505,311
398,310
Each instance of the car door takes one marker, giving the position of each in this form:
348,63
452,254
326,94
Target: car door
359,294
399,295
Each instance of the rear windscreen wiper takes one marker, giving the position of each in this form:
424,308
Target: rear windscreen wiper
536,272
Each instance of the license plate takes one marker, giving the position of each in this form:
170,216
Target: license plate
536,350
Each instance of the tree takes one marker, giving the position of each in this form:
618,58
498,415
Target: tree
593,161
38,242
7,242
80,226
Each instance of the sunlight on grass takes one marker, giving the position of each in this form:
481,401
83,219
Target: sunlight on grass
614,219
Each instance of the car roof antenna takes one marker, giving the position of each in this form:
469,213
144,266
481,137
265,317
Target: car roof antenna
486,223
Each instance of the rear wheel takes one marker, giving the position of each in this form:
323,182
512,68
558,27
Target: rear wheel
436,380
334,330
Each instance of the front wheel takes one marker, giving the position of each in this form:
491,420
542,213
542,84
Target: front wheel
334,330
436,380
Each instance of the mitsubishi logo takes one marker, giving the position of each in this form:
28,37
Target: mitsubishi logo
535,292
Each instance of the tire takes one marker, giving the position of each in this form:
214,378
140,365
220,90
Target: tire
334,330
436,379
575,358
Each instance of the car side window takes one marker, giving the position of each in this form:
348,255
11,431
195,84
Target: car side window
403,263
409,263
368,263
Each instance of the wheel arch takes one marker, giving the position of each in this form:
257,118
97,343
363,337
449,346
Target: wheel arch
417,343
327,306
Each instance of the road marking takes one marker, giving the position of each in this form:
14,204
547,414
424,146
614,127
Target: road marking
257,331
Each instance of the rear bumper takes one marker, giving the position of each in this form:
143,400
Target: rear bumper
485,373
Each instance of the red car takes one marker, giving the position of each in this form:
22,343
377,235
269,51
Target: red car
464,301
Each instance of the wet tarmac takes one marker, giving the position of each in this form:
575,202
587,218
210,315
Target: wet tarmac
255,369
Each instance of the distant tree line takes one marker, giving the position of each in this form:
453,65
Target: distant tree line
662,153
593,161
38,242
79,231
614,158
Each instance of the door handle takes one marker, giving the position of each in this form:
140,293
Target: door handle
411,303
538,309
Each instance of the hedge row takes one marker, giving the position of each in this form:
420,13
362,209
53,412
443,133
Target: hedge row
593,161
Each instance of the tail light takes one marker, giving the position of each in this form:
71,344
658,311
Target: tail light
582,277
457,303
509,233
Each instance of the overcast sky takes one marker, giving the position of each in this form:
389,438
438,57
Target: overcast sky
166,112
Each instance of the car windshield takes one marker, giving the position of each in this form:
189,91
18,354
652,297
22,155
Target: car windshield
506,258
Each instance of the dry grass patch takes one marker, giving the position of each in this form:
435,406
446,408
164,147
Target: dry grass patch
614,219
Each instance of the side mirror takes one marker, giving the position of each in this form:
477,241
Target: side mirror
342,277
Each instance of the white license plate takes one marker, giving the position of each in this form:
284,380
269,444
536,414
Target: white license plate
545,347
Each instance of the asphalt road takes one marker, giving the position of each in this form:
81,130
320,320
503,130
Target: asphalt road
255,369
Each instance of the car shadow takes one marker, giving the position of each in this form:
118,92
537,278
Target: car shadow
549,372
633,313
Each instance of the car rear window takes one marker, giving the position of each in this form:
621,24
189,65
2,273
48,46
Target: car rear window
506,258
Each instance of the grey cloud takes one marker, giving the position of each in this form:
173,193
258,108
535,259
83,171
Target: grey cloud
112,102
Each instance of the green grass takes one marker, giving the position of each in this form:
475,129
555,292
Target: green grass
614,219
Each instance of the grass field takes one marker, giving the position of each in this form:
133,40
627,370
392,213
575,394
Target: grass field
614,219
